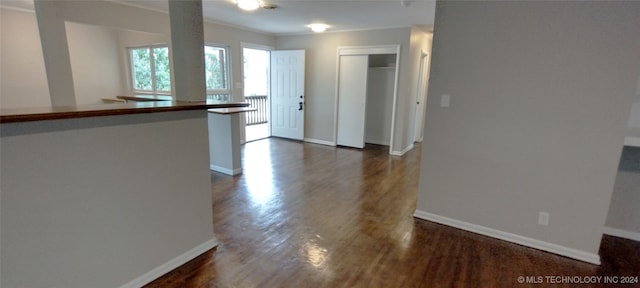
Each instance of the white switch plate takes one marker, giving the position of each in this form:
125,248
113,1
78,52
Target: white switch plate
543,218
445,100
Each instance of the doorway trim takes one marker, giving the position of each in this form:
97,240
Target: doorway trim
421,97
243,124
368,50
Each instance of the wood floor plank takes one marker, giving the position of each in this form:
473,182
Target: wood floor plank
308,215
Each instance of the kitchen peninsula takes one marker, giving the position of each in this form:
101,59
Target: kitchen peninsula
116,194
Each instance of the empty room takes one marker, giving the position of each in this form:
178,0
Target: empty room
196,143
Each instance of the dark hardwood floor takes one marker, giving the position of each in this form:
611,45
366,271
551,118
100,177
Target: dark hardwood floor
308,215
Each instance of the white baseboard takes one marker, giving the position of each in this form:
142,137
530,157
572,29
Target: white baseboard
322,142
510,237
400,153
635,236
172,264
225,170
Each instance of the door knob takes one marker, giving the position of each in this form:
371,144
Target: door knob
300,108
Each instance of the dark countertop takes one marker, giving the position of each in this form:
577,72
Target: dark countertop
67,112
231,110
145,98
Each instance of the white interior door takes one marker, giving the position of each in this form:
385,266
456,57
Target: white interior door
287,94
352,99
421,100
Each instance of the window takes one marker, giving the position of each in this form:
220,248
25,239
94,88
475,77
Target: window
216,73
150,71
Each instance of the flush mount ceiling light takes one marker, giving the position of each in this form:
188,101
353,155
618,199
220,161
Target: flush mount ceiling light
318,27
248,5
268,6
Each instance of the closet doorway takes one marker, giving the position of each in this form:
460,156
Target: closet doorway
366,95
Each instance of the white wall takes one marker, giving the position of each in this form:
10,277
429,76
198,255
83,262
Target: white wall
95,202
539,105
23,80
111,14
55,49
131,38
95,62
321,53
634,118
379,105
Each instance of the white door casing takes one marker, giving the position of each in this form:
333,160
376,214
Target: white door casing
421,101
394,147
287,94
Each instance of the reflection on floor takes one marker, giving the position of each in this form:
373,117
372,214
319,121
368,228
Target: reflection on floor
256,132
307,215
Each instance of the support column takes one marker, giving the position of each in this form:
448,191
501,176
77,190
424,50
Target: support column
187,49
55,50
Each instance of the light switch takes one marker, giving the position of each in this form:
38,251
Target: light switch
543,218
445,100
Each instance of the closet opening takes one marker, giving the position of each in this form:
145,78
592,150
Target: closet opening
366,96
379,99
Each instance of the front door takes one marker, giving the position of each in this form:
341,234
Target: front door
287,94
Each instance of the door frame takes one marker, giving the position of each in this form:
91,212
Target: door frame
243,121
421,96
368,50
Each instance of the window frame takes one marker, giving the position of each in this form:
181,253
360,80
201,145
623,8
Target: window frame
153,90
226,73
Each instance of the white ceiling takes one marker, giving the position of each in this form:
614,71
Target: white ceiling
292,16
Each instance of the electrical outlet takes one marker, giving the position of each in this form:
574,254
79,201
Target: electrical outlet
543,218
445,100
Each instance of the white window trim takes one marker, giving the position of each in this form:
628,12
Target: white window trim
153,90
228,73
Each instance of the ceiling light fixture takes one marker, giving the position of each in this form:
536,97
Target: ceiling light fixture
268,6
318,27
248,5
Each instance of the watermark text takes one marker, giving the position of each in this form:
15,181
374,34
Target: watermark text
575,279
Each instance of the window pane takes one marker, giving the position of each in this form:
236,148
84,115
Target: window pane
163,73
215,68
256,72
141,69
